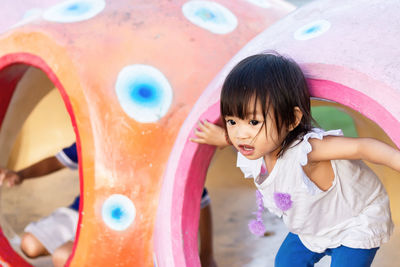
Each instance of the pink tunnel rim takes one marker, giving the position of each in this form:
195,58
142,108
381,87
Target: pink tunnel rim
357,101
35,61
176,240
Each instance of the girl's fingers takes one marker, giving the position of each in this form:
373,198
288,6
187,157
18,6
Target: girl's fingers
212,126
202,125
196,131
209,124
199,134
197,140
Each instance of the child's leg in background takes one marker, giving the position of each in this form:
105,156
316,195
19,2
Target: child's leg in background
62,253
206,234
352,257
32,247
293,253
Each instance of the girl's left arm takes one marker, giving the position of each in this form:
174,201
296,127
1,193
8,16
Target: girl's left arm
338,147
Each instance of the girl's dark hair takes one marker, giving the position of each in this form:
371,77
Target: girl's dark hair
278,83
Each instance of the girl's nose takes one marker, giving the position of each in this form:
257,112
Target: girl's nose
242,133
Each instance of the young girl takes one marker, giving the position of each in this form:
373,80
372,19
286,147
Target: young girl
332,203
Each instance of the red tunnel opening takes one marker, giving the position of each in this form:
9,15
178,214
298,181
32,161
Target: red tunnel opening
12,68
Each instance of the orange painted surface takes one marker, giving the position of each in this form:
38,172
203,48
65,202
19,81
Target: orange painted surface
117,154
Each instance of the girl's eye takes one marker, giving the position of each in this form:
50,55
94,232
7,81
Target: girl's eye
254,122
230,122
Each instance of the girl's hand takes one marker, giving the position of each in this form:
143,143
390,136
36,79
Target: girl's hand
209,133
10,177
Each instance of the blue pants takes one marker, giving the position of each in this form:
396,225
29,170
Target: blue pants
293,253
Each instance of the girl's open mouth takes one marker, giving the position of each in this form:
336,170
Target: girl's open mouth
246,150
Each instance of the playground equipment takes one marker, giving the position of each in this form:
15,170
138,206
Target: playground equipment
129,73
351,61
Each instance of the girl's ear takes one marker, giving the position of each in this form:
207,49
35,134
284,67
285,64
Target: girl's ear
298,116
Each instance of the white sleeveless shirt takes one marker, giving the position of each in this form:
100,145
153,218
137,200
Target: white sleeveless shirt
353,212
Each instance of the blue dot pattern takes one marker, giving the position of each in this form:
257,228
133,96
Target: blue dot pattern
143,92
118,212
77,9
312,30
206,14
210,16
74,10
146,92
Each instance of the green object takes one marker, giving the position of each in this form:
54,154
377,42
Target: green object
331,118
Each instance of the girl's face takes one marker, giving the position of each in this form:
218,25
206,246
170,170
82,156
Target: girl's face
249,136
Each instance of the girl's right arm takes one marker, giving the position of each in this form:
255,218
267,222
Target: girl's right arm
210,134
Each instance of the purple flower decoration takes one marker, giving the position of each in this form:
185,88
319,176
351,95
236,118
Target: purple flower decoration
257,226
283,201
